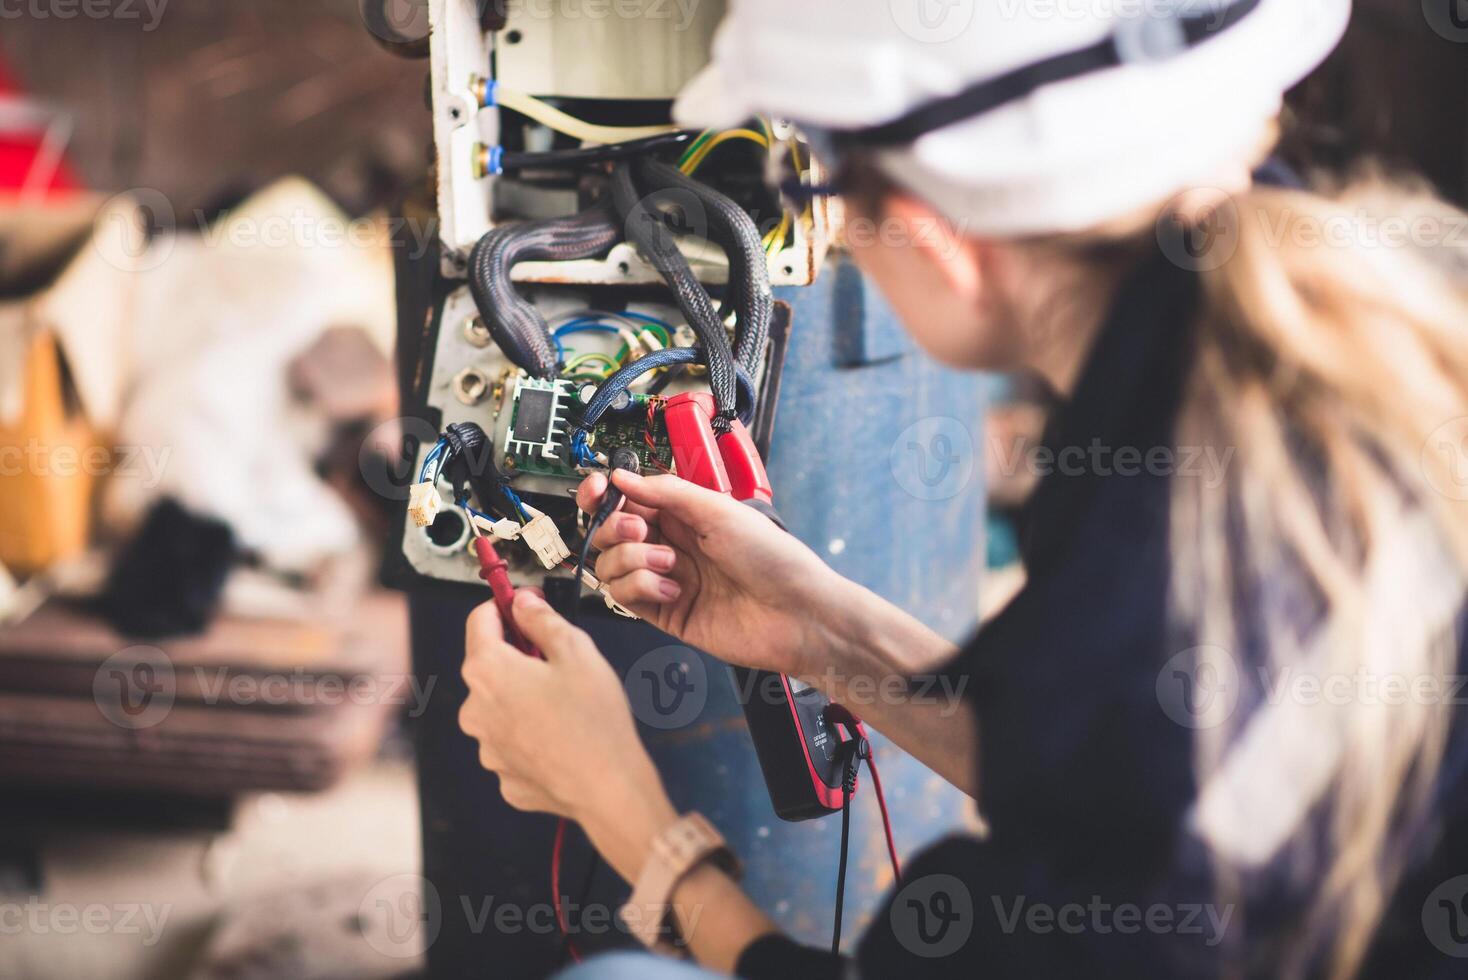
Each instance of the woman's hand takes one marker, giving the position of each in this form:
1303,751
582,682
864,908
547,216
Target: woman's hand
559,731
717,574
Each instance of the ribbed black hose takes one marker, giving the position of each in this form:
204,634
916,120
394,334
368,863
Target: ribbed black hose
734,231
514,323
589,155
645,229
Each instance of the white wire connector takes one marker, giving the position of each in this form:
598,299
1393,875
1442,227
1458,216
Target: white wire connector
544,539
424,503
504,529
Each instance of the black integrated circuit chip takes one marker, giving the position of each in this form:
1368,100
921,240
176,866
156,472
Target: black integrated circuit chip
534,415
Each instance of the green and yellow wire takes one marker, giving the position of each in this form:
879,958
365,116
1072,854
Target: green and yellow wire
611,365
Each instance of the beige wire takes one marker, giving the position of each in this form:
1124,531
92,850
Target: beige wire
549,115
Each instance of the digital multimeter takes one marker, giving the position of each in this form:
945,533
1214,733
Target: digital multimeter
801,750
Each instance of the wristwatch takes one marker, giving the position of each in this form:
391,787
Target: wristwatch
680,848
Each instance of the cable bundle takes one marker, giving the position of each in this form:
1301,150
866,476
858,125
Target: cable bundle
638,188
734,231
514,323
646,229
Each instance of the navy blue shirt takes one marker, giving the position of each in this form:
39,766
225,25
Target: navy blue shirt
1085,779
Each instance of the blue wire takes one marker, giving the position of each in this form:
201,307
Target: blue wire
581,454
583,325
649,319
515,499
478,513
428,461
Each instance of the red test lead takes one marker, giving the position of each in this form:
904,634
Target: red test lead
496,575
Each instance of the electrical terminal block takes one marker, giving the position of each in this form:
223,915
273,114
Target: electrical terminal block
424,503
545,539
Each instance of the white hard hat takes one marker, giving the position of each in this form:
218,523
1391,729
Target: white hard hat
1087,110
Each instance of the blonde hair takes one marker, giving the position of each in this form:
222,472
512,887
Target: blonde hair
1332,348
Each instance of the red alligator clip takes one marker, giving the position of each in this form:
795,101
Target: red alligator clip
728,463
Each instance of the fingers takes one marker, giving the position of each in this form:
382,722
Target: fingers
627,558
545,627
484,639
670,494
620,529
589,494
482,627
589,497
643,586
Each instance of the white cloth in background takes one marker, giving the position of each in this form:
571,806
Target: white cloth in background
220,317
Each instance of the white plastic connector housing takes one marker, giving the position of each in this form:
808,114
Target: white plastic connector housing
504,529
545,540
424,503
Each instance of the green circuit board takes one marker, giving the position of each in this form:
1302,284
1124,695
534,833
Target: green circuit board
542,418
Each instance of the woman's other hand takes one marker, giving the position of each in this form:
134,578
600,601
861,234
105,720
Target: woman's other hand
559,731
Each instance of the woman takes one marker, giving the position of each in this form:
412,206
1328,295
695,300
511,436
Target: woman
1182,733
